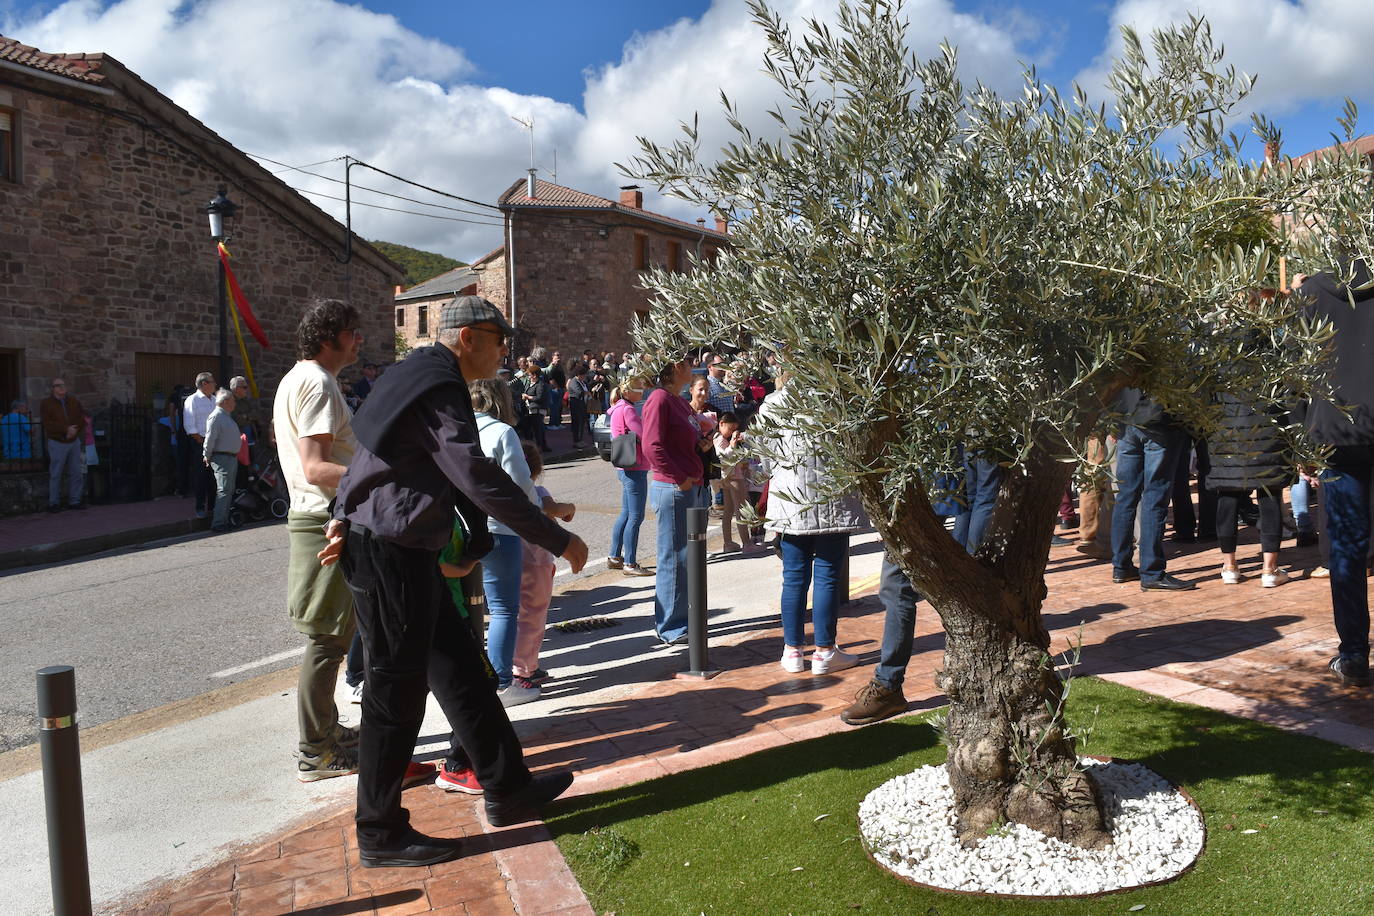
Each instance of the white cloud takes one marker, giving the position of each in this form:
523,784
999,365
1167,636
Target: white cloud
1312,50
308,80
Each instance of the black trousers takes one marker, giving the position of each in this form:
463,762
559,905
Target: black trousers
1203,523
1270,518
414,641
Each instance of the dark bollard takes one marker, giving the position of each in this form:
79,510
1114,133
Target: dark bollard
60,749
696,596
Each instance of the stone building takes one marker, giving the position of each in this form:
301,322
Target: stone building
568,274
108,273
417,308
107,270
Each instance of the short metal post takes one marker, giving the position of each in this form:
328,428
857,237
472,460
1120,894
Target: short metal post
696,595
60,749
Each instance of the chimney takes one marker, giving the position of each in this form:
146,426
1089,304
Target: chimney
632,196
529,186
1271,152
722,225
399,289
701,222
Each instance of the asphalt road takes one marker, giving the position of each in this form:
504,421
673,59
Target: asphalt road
177,618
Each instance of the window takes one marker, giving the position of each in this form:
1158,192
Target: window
8,148
675,256
422,321
401,317
641,252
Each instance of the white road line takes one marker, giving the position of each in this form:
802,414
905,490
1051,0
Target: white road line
271,659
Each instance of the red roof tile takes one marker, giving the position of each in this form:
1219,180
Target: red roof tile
556,197
80,67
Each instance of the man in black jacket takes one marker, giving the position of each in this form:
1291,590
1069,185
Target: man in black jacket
1346,482
418,458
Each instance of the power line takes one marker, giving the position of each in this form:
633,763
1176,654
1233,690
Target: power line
423,203
378,206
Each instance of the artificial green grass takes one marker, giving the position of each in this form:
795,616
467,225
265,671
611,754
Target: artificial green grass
748,836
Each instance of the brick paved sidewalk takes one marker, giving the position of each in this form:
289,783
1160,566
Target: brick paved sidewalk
1259,653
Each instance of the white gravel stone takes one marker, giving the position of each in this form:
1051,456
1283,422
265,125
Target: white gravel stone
908,824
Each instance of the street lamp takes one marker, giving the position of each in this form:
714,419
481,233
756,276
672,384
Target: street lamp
221,211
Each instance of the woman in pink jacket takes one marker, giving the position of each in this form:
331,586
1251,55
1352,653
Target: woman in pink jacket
634,481
670,445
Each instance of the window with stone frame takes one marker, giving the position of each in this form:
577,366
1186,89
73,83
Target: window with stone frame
401,317
422,321
641,252
8,147
675,257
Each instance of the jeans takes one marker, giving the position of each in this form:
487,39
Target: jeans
416,643
634,493
353,667
1346,485
555,406
1301,496
805,556
65,457
226,471
670,583
501,570
899,624
982,483
1145,463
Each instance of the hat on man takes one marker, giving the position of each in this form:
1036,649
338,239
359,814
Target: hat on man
470,310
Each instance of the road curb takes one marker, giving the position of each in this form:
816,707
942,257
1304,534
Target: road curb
58,551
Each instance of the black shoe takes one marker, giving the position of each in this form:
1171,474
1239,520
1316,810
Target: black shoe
1128,575
1185,539
670,643
1167,583
1306,539
414,850
54,508
1351,672
502,811
1057,541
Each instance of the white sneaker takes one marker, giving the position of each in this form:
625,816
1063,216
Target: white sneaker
824,661
355,694
1274,579
515,695
792,661
1231,576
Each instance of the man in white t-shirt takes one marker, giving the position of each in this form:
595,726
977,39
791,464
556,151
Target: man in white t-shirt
195,411
315,443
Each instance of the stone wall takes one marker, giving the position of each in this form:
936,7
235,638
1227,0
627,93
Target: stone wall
576,290
105,250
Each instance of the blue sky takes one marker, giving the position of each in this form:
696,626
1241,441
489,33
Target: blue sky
430,90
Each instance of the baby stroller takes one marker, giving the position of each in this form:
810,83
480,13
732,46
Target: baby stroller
258,493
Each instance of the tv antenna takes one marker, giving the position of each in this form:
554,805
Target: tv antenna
528,124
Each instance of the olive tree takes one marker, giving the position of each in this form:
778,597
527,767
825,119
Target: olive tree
941,267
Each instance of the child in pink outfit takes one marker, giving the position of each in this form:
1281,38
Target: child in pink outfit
536,579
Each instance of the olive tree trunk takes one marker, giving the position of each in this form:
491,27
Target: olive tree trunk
1011,758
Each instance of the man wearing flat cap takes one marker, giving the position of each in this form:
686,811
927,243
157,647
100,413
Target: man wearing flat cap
418,462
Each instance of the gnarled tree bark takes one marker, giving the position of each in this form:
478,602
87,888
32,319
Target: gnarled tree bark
1011,758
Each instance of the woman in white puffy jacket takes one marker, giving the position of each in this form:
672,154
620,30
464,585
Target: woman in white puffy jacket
814,526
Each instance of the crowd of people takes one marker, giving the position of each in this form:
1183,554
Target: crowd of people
403,486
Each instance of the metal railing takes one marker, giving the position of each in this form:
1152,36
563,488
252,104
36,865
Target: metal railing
23,450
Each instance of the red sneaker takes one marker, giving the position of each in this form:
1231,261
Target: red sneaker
463,780
418,773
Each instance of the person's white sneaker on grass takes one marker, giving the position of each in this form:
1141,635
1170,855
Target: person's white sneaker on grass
824,661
